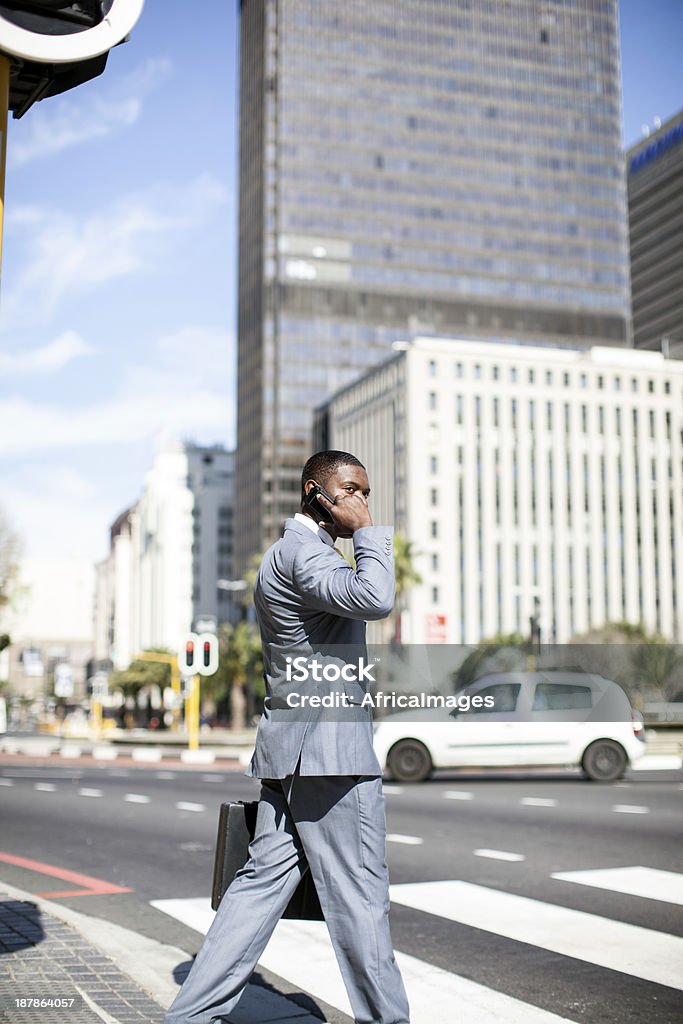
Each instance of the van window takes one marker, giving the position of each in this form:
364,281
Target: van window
561,697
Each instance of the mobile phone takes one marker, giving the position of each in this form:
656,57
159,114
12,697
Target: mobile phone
311,500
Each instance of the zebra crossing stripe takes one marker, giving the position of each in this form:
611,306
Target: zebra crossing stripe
641,952
301,953
649,883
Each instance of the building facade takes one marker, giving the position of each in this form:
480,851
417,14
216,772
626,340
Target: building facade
415,167
655,208
525,476
49,621
168,555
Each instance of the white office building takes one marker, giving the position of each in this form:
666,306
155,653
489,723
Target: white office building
167,555
528,478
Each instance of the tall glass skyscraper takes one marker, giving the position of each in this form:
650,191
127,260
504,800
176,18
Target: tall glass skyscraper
444,167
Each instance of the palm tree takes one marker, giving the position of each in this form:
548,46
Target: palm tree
406,577
240,672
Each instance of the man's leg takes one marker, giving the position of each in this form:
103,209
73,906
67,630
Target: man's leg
342,827
249,911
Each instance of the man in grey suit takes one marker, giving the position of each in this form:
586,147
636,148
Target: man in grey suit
321,807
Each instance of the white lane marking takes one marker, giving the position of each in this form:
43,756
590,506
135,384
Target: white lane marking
187,805
166,775
44,787
89,792
630,809
137,798
650,883
212,778
6,782
458,794
392,790
301,952
658,763
628,948
397,837
538,801
499,855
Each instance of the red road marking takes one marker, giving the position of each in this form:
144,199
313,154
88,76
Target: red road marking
91,886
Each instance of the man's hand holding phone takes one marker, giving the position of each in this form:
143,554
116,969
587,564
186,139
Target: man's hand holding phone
348,512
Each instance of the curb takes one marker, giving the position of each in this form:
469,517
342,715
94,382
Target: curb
149,754
149,963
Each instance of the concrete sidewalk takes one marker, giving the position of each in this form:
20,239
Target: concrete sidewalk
84,970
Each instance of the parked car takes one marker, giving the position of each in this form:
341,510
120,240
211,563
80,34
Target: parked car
544,718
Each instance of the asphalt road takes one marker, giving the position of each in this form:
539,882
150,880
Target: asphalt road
494,841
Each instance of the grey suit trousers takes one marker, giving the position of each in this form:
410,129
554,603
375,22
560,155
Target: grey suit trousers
334,825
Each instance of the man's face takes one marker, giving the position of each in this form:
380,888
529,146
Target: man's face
344,481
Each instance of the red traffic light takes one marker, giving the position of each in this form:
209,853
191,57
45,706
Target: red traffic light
198,653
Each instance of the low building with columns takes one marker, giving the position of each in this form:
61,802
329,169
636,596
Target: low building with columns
528,478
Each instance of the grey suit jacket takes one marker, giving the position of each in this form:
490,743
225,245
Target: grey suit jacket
308,599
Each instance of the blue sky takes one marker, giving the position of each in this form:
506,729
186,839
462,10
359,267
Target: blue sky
117,320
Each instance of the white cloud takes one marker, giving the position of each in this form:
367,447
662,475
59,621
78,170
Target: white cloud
186,391
47,358
66,123
65,254
59,511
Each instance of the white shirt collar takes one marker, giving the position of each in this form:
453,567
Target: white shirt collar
314,528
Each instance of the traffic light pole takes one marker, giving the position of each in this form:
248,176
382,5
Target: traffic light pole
4,108
192,714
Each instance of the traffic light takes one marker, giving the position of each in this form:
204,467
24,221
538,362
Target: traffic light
55,45
198,655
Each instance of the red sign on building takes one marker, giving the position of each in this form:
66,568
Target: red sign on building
436,629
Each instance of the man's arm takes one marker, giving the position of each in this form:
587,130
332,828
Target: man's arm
330,584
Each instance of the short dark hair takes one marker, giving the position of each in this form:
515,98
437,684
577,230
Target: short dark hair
322,465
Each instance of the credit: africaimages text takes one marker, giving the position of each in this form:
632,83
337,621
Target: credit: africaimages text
392,701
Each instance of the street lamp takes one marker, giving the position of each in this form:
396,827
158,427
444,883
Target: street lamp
234,587
231,585
534,622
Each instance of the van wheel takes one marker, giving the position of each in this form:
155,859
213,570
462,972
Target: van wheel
604,761
409,761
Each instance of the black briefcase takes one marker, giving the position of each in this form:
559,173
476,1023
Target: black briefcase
236,826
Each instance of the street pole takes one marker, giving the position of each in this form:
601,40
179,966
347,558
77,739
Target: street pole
192,714
96,716
4,109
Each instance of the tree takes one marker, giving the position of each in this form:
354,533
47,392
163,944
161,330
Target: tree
239,679
498,654
10,550
406,577
660,666
141,675
636,659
